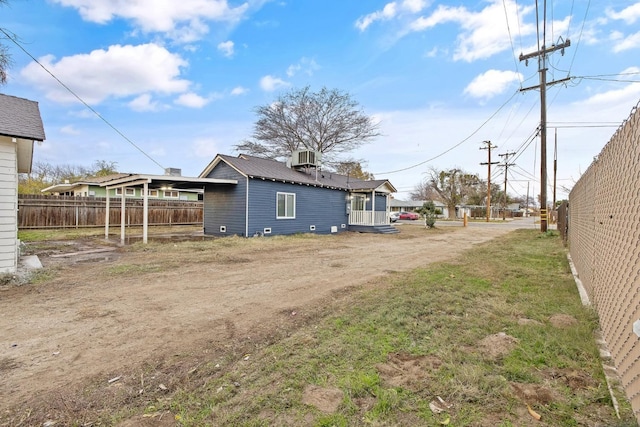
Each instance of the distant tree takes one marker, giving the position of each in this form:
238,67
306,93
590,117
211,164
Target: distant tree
5,57
453,187
423,191
104,168
353,169
45,174
328,121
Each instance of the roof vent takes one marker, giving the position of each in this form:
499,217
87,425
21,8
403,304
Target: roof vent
173,172
305,158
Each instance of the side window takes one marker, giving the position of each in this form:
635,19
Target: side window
127,192
285,205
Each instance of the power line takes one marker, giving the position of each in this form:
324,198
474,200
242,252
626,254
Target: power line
454,146
13,39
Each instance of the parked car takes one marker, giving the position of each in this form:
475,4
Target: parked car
393,216
408,215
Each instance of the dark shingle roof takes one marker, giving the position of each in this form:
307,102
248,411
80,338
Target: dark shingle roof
257,167
20,118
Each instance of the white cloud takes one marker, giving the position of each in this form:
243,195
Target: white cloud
629,42
239,90
491,83
391,11
388,12
306,65
226,48
192,100
624,97
69,130
144,103
484,33
120,71
414,6
205,147
483,38
269,83
629,14
182,20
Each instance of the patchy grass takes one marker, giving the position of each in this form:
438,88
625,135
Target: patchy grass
465,343
48,234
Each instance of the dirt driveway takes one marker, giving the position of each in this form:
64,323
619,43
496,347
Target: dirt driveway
99,316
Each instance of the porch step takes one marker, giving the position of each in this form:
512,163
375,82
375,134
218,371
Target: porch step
380,229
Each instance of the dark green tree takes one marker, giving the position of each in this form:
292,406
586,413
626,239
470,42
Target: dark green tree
428,212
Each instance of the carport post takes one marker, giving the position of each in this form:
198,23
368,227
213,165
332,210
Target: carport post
106,218
145,212
122,215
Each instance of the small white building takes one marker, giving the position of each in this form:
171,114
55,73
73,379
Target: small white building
20,126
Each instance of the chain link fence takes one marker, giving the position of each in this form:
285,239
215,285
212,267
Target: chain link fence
604,242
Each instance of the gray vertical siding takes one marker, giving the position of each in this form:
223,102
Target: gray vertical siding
224,205
322,207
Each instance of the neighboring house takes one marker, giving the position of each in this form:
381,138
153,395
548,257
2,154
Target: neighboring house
273,197
94,187
414,205
20,126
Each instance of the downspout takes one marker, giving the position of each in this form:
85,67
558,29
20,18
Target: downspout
246,211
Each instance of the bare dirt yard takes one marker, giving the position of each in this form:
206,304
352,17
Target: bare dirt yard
99,312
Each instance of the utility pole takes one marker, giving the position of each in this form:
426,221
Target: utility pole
555,170
542,69
526,210
506,169
489,147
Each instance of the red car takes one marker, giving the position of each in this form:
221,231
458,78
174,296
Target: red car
409,215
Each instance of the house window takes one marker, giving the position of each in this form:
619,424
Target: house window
171,194
358,202
285,205
152,193
129,192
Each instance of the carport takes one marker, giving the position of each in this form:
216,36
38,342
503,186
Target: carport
153,182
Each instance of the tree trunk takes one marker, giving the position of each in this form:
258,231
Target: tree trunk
452,211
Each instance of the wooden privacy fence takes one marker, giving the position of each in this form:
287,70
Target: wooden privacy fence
40,211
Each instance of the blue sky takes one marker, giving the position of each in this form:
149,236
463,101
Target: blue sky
181,79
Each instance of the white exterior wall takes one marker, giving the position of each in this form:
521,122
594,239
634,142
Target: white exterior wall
8,205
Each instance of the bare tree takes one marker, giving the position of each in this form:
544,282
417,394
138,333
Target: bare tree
423,191
5,57
453,187
353,168
328,121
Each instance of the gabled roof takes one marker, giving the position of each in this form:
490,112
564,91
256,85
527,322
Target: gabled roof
68,186
260,168
20,118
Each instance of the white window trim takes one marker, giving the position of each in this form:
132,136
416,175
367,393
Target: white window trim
285,209
128,192
177,196
150,193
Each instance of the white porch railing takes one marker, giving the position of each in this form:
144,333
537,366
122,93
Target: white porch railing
368,218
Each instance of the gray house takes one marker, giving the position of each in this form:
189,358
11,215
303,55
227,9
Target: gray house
272,198
20,126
